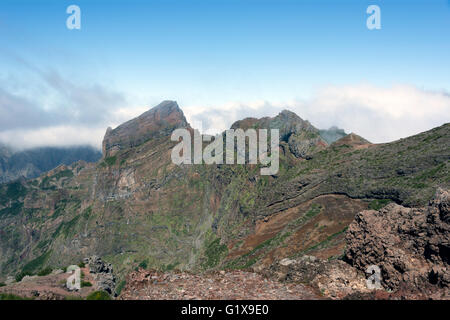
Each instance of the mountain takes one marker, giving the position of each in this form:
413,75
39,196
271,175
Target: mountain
301,137
32,162
135,207
332,134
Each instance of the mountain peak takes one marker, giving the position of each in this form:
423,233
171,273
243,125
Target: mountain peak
160,120
301,136
352,140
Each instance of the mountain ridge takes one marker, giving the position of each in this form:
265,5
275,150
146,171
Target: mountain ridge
136,206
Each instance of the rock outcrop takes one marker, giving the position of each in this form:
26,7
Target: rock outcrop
157,122
332,134
334,279
410,245
352,140
103,274
301,136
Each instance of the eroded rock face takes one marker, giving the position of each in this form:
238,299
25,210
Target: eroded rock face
334,279
410,245
157,122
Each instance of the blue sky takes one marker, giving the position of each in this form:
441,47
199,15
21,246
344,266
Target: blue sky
226,59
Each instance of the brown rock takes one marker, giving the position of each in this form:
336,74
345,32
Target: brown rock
410,245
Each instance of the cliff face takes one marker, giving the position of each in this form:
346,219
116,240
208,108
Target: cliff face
136,207
158,122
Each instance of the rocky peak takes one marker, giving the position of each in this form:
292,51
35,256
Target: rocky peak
352,140
332,134
301,136
156,122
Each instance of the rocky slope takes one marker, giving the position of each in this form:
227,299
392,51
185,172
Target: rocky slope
96,275
33,162
231,285
409,245
135,207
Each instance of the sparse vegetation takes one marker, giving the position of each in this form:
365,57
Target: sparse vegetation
214,253
109,161
9,296
120,286
98,295
35,264
21,275
377,204
143,264
45,272
86,284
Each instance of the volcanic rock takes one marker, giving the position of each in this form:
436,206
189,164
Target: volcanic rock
410,245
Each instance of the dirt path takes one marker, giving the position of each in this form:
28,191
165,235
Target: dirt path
234,285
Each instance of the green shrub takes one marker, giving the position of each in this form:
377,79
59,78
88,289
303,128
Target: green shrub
37,263
22,274
9,296
2,284
73,298
45,272
98,295
214,253
82,264
143,264
379,203
86,284
120,286
109,161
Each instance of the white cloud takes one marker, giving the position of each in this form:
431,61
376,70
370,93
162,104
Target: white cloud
377,113
55,136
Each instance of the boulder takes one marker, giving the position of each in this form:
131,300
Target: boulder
102,273
410,245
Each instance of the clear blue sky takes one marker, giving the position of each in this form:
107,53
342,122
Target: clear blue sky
216,51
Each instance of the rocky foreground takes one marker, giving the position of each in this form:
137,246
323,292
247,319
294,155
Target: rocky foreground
409,245
232,285
136,208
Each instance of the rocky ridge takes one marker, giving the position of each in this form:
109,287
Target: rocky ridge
135,207
409,245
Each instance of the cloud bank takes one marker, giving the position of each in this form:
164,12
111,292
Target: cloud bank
379,114
61,113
